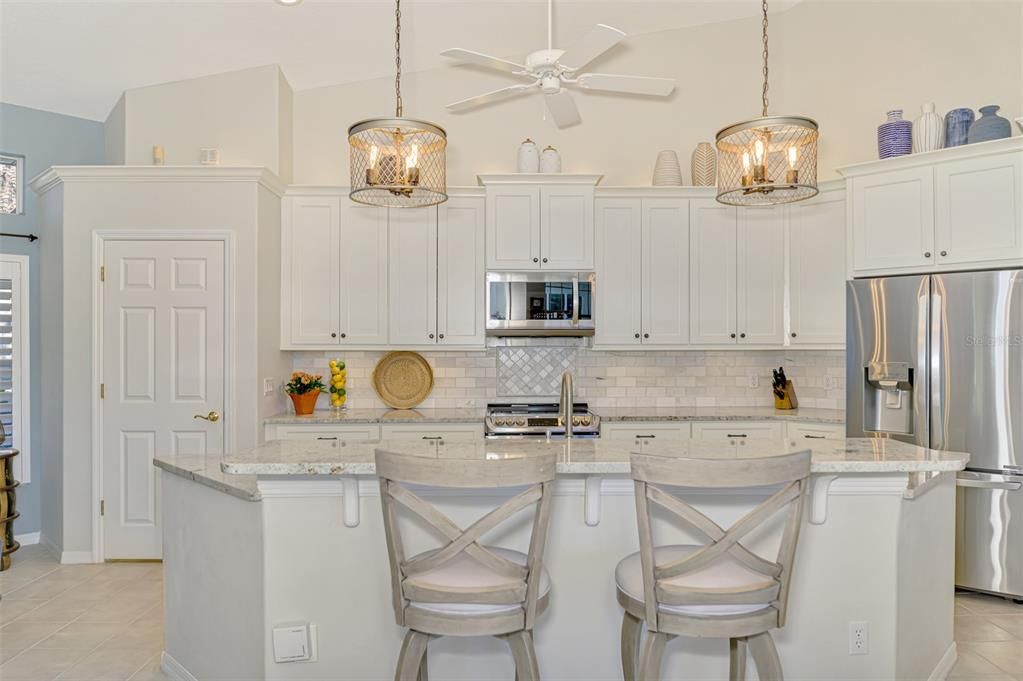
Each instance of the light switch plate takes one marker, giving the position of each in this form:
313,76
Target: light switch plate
268,386
291,643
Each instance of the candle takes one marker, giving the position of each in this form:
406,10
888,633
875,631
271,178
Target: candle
372,174
792,175
759,171
412,165
746,179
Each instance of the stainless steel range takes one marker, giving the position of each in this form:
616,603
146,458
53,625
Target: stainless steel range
536,419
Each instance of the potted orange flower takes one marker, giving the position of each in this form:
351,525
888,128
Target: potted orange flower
304,389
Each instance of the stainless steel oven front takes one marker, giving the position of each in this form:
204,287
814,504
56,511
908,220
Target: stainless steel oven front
540,303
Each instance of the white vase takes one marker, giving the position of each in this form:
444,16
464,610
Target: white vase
550,160
667,170
704,165
529,157
928,130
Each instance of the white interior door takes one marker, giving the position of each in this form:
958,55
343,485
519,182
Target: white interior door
163,363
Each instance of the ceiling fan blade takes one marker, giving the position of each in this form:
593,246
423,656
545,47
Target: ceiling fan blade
595,43
563,109
480,59
488,97
634,85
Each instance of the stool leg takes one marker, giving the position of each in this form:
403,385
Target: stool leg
736,659
526,668
631,629
653,649
424,671
765,657
413,648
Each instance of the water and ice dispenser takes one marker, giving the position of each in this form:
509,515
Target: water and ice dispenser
888,398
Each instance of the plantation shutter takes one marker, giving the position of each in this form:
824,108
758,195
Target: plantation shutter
7,350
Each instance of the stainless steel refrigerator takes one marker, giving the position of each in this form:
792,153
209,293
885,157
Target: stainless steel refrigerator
937,360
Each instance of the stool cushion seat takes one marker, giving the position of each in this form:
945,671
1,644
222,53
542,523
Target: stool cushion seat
462,572
725,573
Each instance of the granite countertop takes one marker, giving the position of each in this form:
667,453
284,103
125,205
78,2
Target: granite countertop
207,471
607,414
589,456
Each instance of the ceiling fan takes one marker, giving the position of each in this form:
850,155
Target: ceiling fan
551,70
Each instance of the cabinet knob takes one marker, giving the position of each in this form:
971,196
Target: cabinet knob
431,335
545,259
441,336
793,334
343,335
927,254
333,335
742,335
944,253
536,259
646,335
637,335
732,335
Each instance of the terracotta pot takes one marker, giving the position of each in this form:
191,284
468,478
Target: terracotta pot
304,403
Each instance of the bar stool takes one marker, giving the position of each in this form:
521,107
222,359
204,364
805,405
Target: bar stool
465,588
719,589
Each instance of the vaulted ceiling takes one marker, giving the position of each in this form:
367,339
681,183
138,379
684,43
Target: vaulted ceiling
77,56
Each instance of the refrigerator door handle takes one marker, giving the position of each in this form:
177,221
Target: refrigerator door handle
1011,483
936,364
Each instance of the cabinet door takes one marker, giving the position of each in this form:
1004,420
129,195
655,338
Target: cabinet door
817,270
739,431
310,256
435,432
645,433
665,275
978,213
363,275
712,280
361,433
461,273
893,220
566,228
760,266
513,227
619,299
412,275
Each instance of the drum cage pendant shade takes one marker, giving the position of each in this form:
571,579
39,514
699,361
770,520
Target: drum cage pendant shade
398,162
768,160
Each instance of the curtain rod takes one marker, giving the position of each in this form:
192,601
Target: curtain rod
30,237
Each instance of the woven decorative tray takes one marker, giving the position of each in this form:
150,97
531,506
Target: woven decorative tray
403,379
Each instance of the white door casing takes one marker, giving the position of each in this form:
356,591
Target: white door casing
619,261
163,353
665,279
461,272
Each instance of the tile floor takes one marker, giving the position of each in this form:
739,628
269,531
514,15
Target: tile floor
105,623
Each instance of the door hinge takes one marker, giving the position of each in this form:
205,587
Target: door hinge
102,273
102,507
102,390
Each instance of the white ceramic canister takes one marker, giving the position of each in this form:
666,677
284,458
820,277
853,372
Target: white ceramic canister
550,160
529,157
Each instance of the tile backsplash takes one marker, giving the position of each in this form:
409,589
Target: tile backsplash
532,368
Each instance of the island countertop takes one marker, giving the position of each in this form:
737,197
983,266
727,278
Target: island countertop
589,456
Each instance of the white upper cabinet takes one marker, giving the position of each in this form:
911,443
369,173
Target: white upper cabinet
950,209
363,274
816,245
461,272
310,307
760,268
619,280
546,225
412,267
566,227
665,244
513,227
712,273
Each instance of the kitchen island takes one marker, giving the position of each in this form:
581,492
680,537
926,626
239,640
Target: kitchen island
291,532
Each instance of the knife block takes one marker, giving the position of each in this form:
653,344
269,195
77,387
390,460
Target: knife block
789,401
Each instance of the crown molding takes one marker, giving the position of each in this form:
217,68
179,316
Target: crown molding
51,177
341,191
975,150
538,178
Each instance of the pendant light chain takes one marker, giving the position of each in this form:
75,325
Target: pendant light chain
398,107
764,114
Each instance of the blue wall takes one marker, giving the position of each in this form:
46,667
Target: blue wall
44,139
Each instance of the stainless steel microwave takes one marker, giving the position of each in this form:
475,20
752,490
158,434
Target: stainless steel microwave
540,303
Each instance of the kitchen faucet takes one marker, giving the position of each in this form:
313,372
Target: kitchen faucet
567,406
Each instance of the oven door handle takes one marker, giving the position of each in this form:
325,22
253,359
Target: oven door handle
575,301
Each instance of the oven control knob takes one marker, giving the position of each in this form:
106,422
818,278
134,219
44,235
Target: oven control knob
501,422
577,421
520,422
585,420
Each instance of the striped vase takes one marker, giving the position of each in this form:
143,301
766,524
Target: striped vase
894,136
928,130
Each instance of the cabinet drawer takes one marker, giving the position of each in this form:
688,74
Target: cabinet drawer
738,431
645,433
440,431
355,433
814,431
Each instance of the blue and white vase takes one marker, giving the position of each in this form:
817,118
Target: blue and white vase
990,126
957,126
894,136
928,130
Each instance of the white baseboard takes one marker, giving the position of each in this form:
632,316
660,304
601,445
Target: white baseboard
945,664
76,557
27,539
174,669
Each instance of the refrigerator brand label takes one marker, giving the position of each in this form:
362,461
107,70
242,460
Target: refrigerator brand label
994,341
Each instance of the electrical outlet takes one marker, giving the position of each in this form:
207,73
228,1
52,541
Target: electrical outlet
268,386
754,381
832,382
859,638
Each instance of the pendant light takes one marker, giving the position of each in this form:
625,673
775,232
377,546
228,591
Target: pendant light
767,160
398,162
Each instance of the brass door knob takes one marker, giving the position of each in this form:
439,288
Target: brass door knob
212,417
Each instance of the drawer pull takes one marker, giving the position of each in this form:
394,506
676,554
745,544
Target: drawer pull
737,435
327,438
646,437
814,437
433,437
